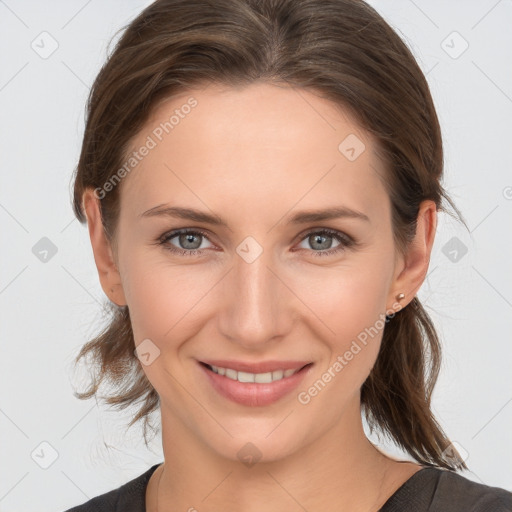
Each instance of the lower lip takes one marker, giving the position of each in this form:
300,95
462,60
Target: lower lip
251,393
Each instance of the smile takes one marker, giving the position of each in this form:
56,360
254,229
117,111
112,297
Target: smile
254,389
260,378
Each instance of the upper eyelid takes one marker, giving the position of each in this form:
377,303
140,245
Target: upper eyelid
175,232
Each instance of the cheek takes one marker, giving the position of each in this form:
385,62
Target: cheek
161,300
346,300
165,307
166,301
350,306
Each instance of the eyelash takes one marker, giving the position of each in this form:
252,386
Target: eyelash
346,242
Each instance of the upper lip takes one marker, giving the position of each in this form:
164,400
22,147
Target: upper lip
261,367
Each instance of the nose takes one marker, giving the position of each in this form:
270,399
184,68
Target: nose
255,307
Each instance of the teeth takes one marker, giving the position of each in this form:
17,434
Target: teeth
263,378
260,378
277,374
230,374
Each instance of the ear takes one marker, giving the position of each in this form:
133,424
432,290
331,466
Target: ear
108,272
412,267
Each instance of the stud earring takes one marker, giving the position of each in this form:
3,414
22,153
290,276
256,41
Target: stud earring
400,296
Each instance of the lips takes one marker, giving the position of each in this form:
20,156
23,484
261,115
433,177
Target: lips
251,393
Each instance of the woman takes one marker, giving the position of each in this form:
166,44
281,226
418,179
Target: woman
261,181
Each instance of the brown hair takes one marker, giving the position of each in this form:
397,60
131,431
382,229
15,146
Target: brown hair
342,50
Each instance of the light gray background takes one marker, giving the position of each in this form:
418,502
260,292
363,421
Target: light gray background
49,309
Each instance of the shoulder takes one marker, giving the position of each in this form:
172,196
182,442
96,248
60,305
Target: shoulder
470,496
435,490
129,497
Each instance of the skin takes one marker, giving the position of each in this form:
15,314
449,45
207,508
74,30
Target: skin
254,156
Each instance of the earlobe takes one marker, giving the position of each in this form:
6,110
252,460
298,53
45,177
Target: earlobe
108,272
416,260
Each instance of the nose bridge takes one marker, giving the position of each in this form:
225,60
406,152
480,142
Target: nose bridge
253,302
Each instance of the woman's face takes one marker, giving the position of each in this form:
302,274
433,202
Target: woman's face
260,286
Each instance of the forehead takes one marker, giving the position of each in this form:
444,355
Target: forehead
238,145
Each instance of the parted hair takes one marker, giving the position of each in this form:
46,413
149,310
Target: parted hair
341,50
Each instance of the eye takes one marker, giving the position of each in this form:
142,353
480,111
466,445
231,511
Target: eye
321,242
190,242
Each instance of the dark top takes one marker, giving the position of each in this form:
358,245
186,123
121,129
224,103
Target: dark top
428,490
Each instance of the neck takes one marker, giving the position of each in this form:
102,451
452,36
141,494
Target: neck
351,472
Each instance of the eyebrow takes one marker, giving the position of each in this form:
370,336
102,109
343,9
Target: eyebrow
302,217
